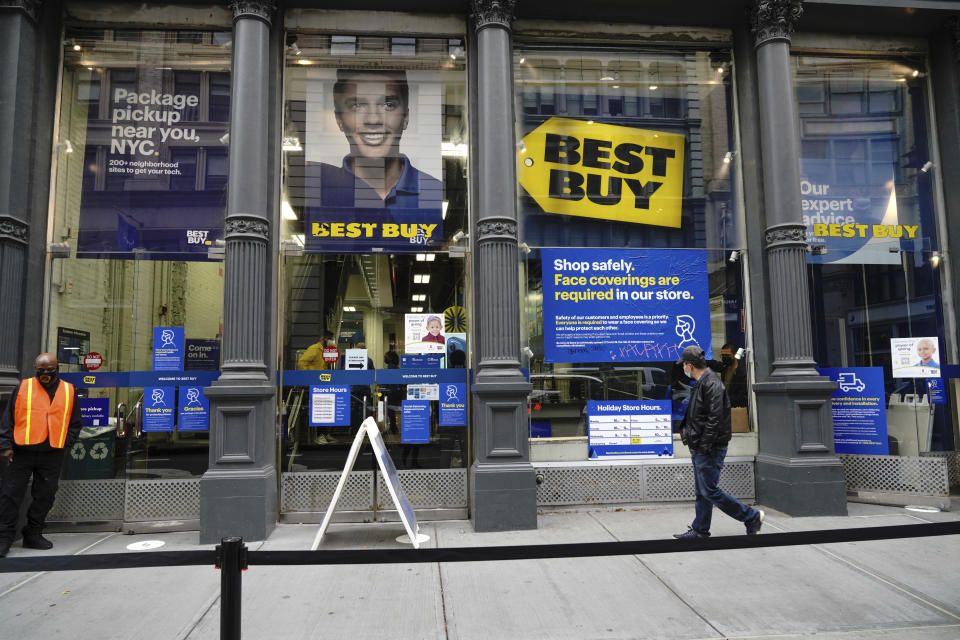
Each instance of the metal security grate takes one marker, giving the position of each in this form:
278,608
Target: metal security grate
428,489
88,500
634,483
147,500
926,475
953,464
589,485
312,491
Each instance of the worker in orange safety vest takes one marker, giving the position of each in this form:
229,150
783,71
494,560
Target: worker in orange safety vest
41,420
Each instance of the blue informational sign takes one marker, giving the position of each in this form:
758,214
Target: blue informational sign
95,412
168,348
859,410
202,355
193,410
453,405
937,391
633,305
424,361
630,429
159,408
415,425
329,406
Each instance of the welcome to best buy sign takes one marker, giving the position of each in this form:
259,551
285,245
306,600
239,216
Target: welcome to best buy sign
606,171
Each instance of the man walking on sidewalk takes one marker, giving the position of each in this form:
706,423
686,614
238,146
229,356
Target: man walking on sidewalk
706,431
41,419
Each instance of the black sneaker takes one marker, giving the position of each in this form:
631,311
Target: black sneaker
4,548
36,541
753,524
689,534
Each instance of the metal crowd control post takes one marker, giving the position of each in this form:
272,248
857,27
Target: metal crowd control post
231,560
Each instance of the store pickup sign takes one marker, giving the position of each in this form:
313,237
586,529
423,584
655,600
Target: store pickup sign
579,168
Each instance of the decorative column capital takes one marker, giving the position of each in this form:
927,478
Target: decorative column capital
247,226
496,229
30,7
785,235
13,230
774,19
259,9
492,13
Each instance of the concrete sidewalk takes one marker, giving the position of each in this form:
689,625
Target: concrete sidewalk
893,589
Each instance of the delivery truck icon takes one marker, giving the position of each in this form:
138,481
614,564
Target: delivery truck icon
849,380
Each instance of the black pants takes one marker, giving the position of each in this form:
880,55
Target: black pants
44,466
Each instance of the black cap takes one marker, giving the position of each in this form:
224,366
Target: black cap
694,355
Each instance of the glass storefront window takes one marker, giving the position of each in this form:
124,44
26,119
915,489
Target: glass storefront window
134,302
627,202
375,302
874,269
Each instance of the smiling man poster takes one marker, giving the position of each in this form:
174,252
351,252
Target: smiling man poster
372,154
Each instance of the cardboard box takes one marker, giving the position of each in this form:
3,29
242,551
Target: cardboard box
739,422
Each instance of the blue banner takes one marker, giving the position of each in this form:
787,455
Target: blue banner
628,305
168,348
851,223
415,424
329,406
629,429
193,413
159,404
859,410
140,197
115,379
453,404
202,355
95,412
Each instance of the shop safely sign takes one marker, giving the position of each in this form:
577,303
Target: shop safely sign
611,172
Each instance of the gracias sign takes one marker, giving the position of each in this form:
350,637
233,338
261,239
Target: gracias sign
606,171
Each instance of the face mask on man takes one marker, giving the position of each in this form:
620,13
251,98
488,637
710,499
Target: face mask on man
46,375
726,358
689,374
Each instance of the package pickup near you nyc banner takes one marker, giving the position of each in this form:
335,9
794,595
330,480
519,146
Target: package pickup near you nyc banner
611,172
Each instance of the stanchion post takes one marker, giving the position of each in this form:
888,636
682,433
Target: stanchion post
231,560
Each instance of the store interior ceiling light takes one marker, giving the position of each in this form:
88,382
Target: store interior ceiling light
350,309
291,143
416,309
287,211
419,297
421,278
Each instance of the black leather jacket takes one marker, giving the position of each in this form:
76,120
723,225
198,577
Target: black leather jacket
706,424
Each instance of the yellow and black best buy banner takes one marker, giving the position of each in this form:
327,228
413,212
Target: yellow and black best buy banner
611,172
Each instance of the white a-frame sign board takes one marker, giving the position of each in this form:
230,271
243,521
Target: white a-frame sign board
369,430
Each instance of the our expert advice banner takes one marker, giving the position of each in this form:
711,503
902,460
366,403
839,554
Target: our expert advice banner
614,305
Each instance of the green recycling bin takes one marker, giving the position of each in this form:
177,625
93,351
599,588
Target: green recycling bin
91,456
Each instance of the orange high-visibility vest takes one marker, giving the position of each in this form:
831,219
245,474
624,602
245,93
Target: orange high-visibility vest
36,418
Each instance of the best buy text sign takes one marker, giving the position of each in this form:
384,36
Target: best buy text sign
606,171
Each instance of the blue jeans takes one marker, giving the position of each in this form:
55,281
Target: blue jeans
706,475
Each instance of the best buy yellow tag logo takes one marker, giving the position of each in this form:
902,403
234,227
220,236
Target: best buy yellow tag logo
89,379
604,171
324,377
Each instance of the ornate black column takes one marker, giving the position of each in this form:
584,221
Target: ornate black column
503,486
18,41
238,494
797,470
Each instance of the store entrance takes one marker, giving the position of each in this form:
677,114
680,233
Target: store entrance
383,337
140,339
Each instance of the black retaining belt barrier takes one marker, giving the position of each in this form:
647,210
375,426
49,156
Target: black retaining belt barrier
232,556
473,554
